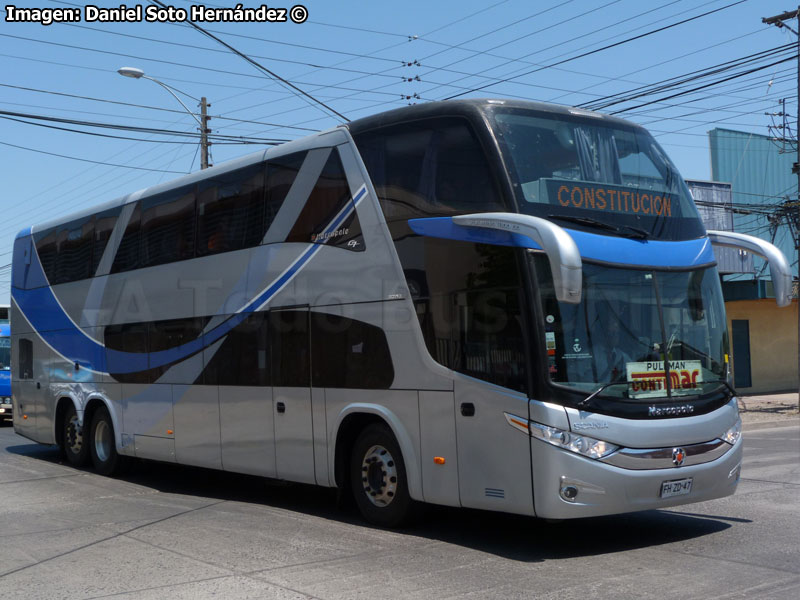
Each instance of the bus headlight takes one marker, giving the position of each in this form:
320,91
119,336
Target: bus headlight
734,433
580,444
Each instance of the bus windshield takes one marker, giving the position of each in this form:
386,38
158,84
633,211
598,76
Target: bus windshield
595,173
5,353
627,323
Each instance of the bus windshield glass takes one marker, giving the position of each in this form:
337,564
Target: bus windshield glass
627,323
5,353
601,176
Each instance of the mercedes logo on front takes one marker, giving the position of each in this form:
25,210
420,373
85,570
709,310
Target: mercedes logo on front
678,456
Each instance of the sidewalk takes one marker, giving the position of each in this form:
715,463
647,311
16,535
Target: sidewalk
769,410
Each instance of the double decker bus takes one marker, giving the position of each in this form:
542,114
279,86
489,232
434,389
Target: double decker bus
493,304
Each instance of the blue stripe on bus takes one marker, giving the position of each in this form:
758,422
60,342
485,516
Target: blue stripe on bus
605,248
49,320
444,227
643,253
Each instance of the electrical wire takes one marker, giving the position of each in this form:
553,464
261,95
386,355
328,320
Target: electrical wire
260,67
604,48
140,129
96,162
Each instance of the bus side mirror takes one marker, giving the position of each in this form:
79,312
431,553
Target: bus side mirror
778,265
558,245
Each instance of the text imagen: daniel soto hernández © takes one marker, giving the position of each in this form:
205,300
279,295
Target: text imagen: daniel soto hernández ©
153,13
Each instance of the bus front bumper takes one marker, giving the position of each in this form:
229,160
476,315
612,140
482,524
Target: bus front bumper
567,485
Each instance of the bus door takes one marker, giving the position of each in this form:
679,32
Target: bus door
494,459
291,394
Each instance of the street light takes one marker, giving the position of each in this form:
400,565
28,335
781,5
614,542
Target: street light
135,73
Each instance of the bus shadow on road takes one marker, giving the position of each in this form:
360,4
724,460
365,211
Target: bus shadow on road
513,537
533,540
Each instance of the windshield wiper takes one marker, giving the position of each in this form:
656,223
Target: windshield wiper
726,384
623,230
595,393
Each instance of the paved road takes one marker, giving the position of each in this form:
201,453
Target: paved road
175,532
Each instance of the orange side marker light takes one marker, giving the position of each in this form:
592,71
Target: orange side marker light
24,416
439,460
170,432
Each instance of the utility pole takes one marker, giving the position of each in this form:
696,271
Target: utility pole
779,21
204,131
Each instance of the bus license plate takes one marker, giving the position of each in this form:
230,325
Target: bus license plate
678,487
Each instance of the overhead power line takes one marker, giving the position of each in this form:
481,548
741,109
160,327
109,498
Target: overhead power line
139,129
707,85
602,49
314,101
678,80
96,162
170,110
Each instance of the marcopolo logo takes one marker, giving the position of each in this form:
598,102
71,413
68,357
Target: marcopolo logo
321,238
670,411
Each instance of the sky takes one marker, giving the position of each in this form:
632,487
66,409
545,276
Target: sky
355,59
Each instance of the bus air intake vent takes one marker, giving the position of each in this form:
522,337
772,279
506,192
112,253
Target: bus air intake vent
495,493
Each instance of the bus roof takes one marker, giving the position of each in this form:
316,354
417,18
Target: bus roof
470,108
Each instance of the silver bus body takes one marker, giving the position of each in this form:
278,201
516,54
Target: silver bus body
464,441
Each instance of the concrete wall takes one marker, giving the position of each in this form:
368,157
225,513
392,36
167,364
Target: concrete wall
773,343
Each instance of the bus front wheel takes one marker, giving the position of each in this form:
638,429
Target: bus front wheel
378,478
103,447
74,446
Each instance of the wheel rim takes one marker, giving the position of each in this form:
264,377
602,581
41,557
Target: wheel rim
379,476
102,441
74,435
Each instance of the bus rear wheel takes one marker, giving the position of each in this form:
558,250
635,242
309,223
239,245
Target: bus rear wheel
378,478
73,441
102,444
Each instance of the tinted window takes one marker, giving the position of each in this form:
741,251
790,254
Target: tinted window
349,354
25,359
168,222
291,360
74,243
65,251
281,173
46,248
322,219
467,298
577,167
5,353
131,338
164,335
103,226
127,256
244,357
143,339
429,168
231,211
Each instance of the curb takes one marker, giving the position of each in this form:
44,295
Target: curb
770,424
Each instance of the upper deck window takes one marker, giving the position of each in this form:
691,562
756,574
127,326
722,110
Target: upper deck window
571,167
329,203
429,168
168,227
230,211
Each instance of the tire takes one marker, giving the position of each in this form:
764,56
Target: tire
74,445
102,444
378,478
